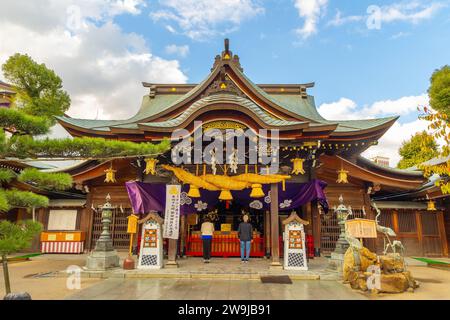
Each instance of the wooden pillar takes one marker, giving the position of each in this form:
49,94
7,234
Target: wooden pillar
183,234
419,232
267,232
90,216
442,233
172,254
316,228
274,227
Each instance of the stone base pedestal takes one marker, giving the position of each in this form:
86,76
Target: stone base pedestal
102,260
276,266
336,262
171,264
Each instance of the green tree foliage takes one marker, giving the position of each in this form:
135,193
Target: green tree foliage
17,122
39,89
15,237
24,199
27,147
39,99
438,117
439,90
420,148
6,175
45,180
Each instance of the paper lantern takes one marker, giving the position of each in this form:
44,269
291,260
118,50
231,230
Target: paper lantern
225,195
257,191
342,176
298,166
150,166
110,175
194,192
431,205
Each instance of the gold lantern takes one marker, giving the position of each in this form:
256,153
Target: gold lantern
342,176
225,195
110,175
257,191
194,192
298,166
431,205
150,166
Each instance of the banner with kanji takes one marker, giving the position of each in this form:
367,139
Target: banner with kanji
172,211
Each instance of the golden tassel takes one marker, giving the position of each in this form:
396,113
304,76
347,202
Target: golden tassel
225,195
194,192
257,191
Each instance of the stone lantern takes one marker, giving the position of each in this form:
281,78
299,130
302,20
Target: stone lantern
104,256
337,256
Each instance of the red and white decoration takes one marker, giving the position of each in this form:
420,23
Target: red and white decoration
62,247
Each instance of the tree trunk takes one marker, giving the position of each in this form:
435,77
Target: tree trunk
6,274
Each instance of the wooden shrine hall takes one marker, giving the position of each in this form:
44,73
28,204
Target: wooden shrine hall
311,148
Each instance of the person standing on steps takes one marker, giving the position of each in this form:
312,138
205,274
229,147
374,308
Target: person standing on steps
207,231
245,234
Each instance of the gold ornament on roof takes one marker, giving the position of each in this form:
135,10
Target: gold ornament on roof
342,176
298,166
110,175
150,166
431,205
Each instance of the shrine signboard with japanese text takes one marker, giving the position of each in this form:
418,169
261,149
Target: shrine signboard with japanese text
361,228
172,212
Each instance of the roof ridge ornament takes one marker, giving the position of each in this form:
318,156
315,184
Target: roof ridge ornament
227,57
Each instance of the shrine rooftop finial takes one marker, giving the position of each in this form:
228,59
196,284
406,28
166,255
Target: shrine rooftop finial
227,45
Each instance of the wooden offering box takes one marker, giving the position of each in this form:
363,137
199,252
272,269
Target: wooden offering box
62,241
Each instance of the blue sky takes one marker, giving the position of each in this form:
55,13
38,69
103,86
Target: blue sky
103,49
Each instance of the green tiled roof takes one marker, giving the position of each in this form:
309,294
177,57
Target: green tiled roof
152,106
246,103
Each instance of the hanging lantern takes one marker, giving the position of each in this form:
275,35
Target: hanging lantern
431,205
150,166
257,191
298,166
342,176
225,195
110,175
194,192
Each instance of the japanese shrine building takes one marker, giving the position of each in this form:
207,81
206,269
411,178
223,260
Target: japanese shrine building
228,99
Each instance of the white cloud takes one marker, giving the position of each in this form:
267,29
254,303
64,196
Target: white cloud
102,66
311,11
343,109
411,11
347,109
339,20
201,19
181,51
389,144
406,11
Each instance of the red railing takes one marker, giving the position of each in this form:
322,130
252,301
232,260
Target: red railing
223,246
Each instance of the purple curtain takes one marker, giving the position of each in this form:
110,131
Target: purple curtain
145,197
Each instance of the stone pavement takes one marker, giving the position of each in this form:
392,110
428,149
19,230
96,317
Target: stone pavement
37,276
194,289
220,268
